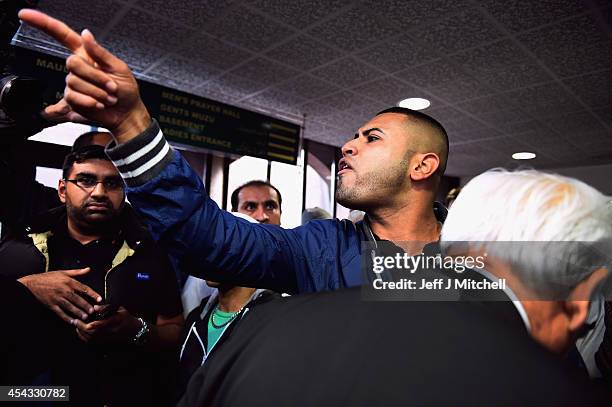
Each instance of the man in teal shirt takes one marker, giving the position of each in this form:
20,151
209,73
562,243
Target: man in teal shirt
216,315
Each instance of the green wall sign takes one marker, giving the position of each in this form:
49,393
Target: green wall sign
187,119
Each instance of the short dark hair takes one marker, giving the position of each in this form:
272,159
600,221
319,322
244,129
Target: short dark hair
86,139
428,120
88,152
255,183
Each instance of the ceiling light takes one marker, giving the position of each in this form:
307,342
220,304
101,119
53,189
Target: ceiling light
414,103
523,156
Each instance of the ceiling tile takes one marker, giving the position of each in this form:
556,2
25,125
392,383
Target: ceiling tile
264,71
390,57
303,52
576,31
514,77
545,100
540,138
275,100
299,13
463,89
594,89
314,126
307,87
331,136
183,71
431,74
494,109
605,113
590,139
571,46
354,29
162,33
341,120
455,137
505,119
444,113
213,51
138,54
485,104
458,32
497,55
388,90
504,147
184,12
568,61
98,13
408,14
317,109
471,128
569,123
503,91
367,110
250,30
473,134
518,15
343,100
520,125
346,72
230,87
474,149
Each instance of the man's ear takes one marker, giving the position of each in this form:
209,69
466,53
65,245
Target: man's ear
423,166
61,190
577,305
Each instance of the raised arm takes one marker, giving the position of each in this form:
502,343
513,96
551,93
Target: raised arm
202,239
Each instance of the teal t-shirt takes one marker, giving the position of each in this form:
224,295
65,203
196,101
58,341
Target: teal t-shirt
222,319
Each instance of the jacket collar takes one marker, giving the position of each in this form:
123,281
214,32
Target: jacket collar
213,300
132,229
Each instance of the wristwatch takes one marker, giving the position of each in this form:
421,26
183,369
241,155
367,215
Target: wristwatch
142,335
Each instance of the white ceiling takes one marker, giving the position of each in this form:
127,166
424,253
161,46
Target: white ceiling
502,75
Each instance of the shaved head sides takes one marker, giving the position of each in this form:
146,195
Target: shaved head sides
430,134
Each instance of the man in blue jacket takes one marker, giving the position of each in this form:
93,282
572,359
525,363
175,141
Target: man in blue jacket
390,170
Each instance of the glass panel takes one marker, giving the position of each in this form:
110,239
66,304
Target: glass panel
318,184
63,134
243,170
288,179
48,176
342,212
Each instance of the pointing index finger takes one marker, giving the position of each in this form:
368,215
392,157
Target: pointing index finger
53,27
105,59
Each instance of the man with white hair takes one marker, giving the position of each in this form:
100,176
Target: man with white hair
547,235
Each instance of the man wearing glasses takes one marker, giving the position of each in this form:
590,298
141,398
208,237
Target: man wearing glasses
93,264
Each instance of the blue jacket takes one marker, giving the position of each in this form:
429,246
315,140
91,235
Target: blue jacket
210,243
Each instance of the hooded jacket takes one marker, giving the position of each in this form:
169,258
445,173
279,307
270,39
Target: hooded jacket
195,350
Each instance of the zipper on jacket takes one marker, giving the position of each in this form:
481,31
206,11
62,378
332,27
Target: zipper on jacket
244,311
124,252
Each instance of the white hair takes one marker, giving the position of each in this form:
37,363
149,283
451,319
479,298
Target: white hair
532,206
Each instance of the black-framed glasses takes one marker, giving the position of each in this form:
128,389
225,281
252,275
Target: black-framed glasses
89,183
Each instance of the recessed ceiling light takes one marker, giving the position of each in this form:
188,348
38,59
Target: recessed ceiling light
414,103
523,156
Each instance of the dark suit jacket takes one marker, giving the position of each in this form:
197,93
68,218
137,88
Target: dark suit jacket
335,349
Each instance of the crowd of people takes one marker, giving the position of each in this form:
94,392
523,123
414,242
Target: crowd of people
98,280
